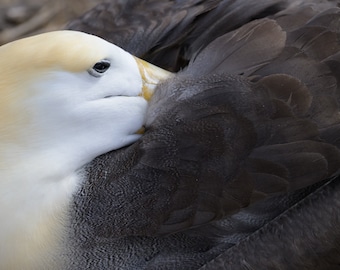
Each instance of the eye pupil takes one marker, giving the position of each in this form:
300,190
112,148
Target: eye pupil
101,66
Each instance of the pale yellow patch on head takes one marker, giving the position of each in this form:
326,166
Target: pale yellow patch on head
70,50
30,58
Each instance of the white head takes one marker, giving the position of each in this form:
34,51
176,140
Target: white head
66,98
70,96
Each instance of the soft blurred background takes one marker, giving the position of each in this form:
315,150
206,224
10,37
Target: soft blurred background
20,18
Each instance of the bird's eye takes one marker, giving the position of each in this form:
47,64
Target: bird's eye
99,68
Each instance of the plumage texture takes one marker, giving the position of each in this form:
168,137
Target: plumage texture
234,143
290,235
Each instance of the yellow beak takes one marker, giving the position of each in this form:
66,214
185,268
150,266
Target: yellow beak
151,76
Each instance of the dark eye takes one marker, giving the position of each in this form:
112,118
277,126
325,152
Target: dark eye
99,68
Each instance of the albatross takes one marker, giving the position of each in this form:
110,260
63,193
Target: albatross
237,143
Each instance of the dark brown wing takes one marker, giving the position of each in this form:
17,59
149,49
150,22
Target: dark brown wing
216,142
247,130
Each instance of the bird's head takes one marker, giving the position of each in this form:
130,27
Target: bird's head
69,94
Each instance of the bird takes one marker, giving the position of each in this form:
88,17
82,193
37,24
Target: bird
67,97
281,46
240,142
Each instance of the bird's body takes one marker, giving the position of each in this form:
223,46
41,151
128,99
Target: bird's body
246,129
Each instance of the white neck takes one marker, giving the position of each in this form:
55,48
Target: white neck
33,214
